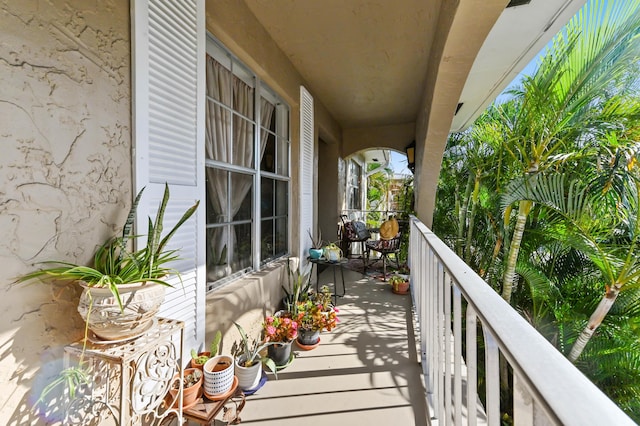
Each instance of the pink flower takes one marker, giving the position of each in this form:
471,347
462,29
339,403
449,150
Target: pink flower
271,330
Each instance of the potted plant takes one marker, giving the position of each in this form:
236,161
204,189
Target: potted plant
332,252
313,318
198,359
315,252
191,385
123,289
218,376
280,330
399,284
118,274
217,266
250,359
218,371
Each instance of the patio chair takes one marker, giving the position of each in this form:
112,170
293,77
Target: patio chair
353,232
385,248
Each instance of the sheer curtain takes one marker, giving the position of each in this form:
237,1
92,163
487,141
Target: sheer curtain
229,139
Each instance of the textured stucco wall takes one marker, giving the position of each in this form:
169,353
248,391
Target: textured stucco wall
65,171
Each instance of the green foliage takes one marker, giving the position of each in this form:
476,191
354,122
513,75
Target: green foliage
299,286
567,144
251,351
215,343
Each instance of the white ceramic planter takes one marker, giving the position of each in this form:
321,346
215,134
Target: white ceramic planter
248,377
141,303
218,379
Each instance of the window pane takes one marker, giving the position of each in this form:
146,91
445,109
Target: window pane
266,197
268,115
242,247
242,142
266,240
217,191
281,237
217,260
218,132
268,162
241,196
283,157
219,82
282,198
243,98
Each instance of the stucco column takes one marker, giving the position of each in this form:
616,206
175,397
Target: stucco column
462,28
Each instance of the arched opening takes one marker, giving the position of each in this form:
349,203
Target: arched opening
377,185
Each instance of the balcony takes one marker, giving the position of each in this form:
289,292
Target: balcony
400,360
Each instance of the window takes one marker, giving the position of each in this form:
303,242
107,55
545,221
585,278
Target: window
247,168
354,172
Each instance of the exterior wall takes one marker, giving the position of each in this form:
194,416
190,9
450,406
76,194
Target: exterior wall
65,172
329,202
247,301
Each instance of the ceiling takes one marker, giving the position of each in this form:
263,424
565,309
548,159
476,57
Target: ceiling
366,60
362,58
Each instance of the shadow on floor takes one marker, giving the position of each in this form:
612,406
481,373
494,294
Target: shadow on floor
365,372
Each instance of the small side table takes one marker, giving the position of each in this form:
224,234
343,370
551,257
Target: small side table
333,265
205,411
129,379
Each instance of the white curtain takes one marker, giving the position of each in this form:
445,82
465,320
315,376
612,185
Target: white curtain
229,139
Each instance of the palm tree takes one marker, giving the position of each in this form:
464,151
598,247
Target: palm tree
561,106
611,241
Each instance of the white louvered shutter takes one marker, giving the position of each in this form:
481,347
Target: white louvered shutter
306,171
168,39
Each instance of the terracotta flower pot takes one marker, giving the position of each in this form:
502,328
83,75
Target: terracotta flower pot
189,394
401,288
193,363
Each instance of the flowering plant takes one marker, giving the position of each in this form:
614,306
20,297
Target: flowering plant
323,298
312,317
279,329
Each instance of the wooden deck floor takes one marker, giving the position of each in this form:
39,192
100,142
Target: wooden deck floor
365,372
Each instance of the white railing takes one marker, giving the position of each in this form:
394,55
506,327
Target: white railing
547,388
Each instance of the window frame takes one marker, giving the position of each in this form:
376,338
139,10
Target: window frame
282,135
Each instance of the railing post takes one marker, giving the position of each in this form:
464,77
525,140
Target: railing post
457,355
439,334
447,347
472,367
522,402
492,377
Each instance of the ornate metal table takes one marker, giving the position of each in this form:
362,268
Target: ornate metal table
129,379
